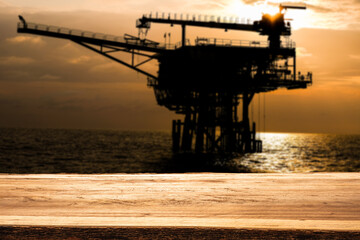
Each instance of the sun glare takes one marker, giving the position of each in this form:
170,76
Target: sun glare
255,11
265,7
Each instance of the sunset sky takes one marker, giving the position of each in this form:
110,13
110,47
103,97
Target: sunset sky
54,83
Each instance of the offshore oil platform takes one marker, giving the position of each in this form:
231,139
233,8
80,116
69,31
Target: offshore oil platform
212,81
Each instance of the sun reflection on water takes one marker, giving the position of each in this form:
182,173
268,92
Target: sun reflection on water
287,152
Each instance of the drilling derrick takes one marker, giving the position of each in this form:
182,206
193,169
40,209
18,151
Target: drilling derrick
211,82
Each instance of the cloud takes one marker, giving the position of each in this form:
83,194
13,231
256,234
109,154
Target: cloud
356,57
252,1
105,67
318,8
208,6
26,39
79,60
302,52
3,4
15,60
320,14
49,77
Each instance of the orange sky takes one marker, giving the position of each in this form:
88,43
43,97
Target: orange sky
46,82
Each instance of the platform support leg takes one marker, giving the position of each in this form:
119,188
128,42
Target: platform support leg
201,125
176,133
199,144
246,135
187,133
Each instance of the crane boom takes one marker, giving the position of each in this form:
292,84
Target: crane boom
143,23
284,6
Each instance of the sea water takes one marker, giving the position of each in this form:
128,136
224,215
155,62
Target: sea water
112,151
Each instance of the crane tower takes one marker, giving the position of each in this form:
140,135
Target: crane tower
210,82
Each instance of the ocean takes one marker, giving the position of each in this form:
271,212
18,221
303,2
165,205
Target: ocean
111,151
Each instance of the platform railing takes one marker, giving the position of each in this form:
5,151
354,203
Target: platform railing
239,43
304,78
229,42
199,18
290,77
93,35
68,31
